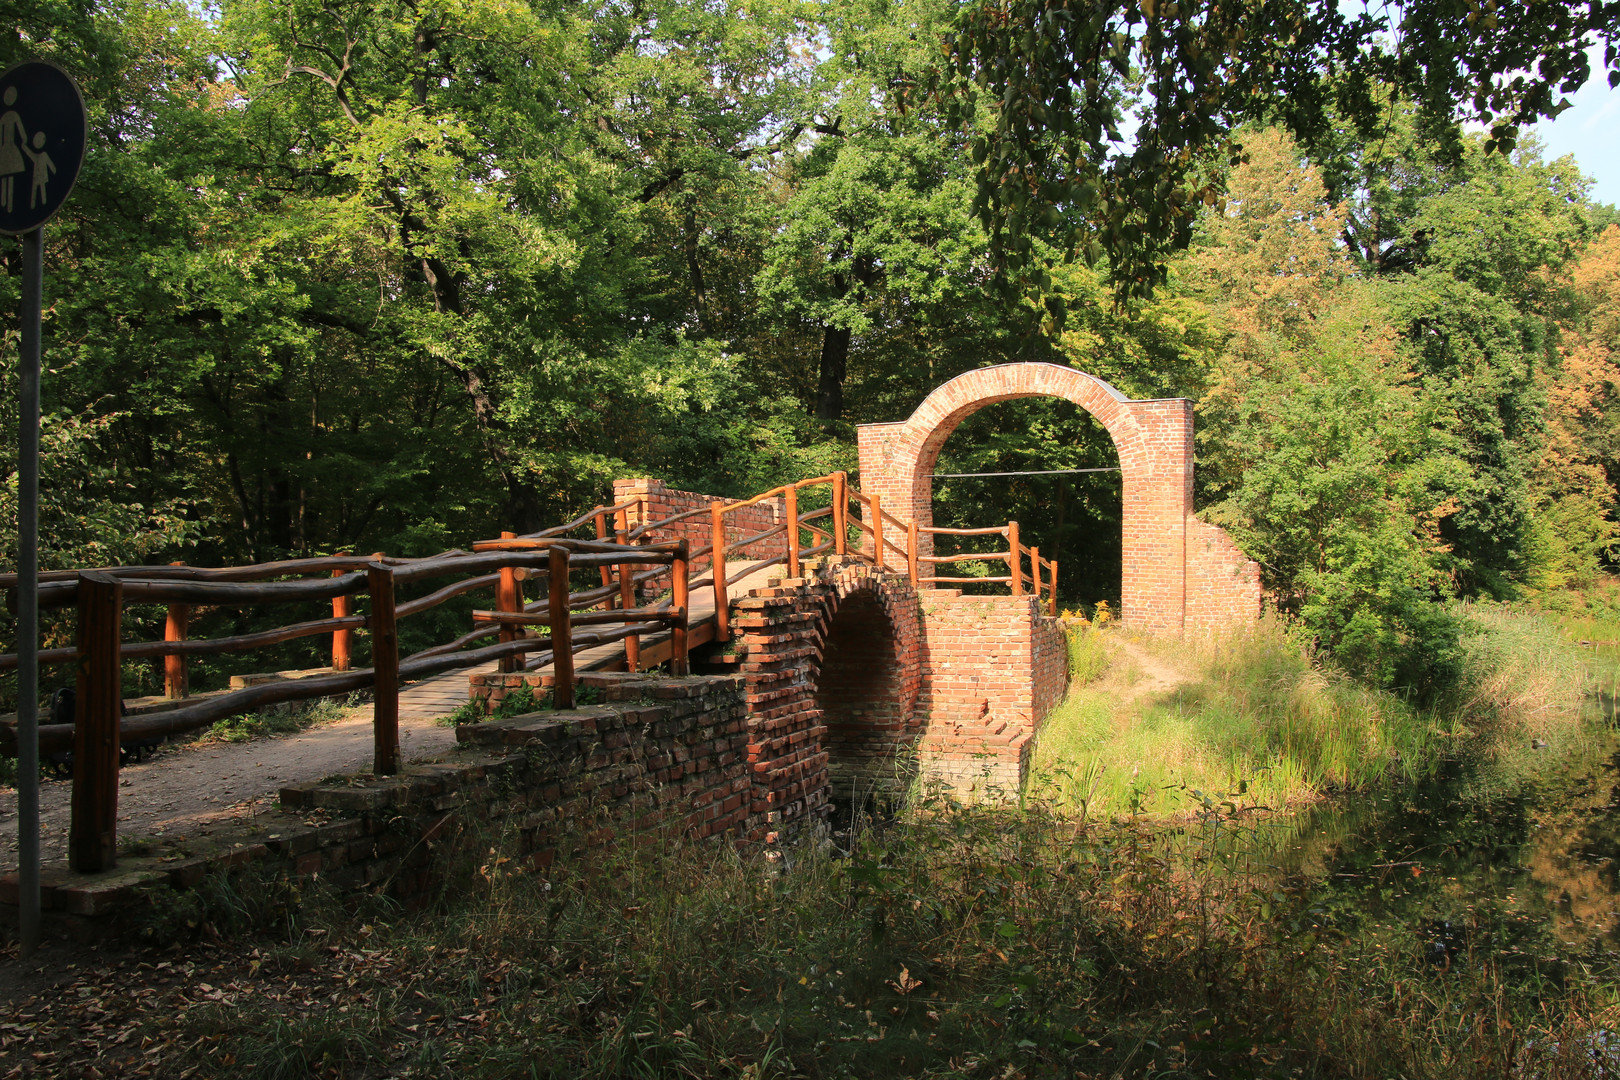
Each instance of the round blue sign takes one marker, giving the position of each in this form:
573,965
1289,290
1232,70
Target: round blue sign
42,132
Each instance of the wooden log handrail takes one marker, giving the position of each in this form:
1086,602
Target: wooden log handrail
591,597
455,644
579,522
68,655
529,559
449,592
1002,556
141,650
754,538
647,527
573,546
543,618
995,530
503,564
754,568
322,564
147,591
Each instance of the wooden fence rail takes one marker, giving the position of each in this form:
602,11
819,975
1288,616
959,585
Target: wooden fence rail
620,558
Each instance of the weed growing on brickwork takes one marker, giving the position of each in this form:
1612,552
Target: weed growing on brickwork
1171,718
472,711
518,700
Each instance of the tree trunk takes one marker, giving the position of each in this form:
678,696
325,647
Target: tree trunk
834,363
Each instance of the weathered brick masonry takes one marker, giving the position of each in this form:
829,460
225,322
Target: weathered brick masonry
992,669
1178,573
830,664
657,756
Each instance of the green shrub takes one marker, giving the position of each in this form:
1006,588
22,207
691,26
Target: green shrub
283,721
1088,652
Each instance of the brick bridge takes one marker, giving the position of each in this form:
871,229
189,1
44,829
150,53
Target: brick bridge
832,668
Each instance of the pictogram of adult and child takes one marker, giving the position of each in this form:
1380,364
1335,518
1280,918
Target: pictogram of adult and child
14,145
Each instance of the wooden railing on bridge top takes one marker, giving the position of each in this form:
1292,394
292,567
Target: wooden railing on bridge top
620,552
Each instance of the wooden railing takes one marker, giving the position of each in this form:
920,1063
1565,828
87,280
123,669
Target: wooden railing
834,539
100,597
1042,585
573,620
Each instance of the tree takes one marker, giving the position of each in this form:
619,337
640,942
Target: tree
1574,487
1318,444
1113,120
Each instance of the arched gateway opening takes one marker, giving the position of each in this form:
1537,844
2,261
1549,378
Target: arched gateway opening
1177,572
1012,461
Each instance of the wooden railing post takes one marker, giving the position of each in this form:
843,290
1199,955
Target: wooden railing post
722,612
1015,561
384,671
1035,573
791,502
911,551
627,594
93,835
840,509
678,572
342,640
877,529
562,638
509,599
175,683
1053,609
607,571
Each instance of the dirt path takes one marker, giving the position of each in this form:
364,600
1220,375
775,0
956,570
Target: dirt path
189,788
1158,676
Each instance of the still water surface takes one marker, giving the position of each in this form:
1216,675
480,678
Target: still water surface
1511,860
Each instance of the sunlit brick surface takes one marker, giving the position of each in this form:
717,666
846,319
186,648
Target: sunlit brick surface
1178,572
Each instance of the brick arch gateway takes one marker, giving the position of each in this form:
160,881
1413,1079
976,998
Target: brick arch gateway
1180,573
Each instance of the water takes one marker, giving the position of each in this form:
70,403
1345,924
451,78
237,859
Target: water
1512,860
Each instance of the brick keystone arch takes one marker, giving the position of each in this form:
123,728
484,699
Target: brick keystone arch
1179,572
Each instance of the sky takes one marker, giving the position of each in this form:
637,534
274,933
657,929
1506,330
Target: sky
1590,129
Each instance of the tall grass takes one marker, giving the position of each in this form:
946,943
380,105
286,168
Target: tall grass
983,942
1256,719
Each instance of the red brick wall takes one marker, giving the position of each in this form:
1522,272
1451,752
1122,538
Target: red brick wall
796,647
1223,585
659,501
1050,645
1155,444
992,667
657,754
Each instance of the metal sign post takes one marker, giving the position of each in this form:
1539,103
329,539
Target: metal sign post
42,139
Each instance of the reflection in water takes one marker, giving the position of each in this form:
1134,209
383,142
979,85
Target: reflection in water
1512,861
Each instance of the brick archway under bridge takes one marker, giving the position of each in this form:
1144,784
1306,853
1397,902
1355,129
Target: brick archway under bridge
855,684
1180,573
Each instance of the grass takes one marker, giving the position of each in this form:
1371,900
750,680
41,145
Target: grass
285,721
988,942
1166,727
519,700
992,942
